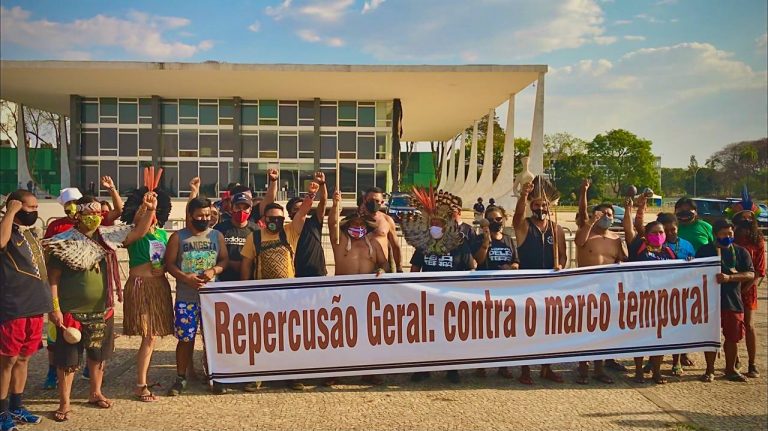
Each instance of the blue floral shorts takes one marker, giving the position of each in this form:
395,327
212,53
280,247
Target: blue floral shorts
187,320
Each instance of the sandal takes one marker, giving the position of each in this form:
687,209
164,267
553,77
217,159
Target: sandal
707,377
101,403
639,379
736,377
659,380
603,378
552,376
60,416
685,361
526,380
146,395
677,371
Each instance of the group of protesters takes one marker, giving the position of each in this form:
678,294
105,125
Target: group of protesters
73,275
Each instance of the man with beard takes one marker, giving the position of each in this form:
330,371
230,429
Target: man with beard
596,245
537,237
385,232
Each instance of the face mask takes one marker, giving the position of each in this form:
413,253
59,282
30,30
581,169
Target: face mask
436,232
372,206
357,232
494,226
91,222
685,216
104,214
275,225
200,225
70,210
605,222
538,214
240,216
725,242
656,239
26,218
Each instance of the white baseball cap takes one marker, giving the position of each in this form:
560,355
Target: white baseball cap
69,194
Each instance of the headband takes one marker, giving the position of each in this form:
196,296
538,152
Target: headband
92,206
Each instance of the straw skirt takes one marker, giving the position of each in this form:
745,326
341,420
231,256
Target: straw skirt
147,307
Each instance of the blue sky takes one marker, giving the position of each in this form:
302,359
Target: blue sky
688,74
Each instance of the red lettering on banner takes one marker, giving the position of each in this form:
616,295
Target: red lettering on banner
631,309
238,331
696,308
530,317
221,311
605,311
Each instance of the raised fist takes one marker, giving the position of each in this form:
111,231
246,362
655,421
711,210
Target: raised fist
313,187
585,184
107,183
194,184
272,174
13,206
319,177
527,188
150,201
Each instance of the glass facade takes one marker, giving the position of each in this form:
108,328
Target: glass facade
199,137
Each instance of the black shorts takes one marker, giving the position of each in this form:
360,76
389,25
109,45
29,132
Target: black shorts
67,355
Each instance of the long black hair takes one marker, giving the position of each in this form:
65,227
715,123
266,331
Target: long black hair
136,197
753,233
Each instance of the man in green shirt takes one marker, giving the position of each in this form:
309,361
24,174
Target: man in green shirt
690,227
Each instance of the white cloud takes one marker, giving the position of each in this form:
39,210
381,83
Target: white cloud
634,37
622,22
649,18
139,34
687,98
255,27
372,5
312,37
674,20
665,2
321,11
605,40
278,12
762,41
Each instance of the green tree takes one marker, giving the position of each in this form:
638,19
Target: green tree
624,160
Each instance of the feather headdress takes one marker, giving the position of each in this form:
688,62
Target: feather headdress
135,198
544,189
745,204
432,206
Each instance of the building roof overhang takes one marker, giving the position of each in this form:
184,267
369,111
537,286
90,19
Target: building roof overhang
438,101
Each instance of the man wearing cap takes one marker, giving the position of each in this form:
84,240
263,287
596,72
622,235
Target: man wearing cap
235,229
67,198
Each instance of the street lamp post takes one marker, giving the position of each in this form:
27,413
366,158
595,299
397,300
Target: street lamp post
694,181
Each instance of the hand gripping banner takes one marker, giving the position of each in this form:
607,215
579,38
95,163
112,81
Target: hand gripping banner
401,323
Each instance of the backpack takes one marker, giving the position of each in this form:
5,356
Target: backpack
257,245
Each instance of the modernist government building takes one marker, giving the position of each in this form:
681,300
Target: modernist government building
231,122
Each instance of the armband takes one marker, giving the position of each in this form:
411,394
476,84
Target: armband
56,306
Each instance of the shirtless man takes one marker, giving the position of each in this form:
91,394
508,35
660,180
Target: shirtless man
596,245
386,232
357,251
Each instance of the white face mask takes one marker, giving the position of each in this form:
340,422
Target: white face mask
436,232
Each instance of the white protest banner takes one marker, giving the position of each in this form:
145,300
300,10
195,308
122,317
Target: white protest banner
346,325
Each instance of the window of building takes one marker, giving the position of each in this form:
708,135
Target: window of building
146,142
306,113
348,180
209,143
257,173
328,115
89,113
366,147
382,172
226,111
289,177
347,143
347,114
268,112
209,115
227,143
328,147
187,170
170,143
89,141
365,178
109,168
383,114
188,111
107,139
128,173
288,114
268,144
382,143
170,113
306,145
366,116
209,179
91,177
108,110
188,140
249,115
170,178
288,147
129,113
224,168
128,145
250,146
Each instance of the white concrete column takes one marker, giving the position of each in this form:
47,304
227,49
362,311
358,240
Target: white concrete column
504,185
443,168
23,176
537,134
64,153
485,182
471,179
460,165
451,179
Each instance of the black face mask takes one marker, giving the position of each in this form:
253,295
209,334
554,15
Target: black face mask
372,206
538,214
275,225
494,226
200,225
26,218
685,216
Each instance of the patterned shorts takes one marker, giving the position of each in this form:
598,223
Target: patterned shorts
187,320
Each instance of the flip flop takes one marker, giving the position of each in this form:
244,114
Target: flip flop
603,378
60,416
146,398
660,380
526,380
736,377
707,377
677,371
101,403
684,361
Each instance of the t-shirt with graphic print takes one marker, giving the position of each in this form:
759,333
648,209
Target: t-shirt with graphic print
500,253
197,252
235,238
460,259
275,259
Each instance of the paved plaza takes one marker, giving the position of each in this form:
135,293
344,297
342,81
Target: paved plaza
476,403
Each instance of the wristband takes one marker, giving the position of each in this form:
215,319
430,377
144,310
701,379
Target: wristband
311,195
272,181
56,306
322,183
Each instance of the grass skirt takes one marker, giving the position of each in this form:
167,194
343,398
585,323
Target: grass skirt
147,307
